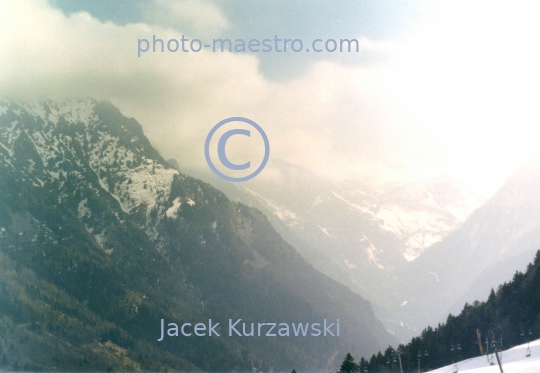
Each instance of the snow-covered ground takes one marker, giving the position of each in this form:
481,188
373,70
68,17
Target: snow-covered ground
513,360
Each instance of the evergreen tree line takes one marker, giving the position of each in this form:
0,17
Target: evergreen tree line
511,315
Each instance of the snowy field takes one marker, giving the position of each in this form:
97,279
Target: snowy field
514,361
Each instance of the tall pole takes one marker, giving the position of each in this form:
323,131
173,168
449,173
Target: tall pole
455,369
479,341
528,343
498,361
399,357
494,345
487,349
500,347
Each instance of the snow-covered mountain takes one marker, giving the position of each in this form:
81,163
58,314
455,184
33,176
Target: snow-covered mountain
367,224
422,213
495,241
357,232
100,239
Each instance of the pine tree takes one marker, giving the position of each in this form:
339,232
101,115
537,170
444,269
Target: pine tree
348,365
537,258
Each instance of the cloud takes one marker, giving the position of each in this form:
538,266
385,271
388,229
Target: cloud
199,17
178,97
447,98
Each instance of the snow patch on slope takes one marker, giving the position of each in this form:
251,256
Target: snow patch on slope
353,205
173,210
513,361
83,210
144,187
371,250
325,231
419,229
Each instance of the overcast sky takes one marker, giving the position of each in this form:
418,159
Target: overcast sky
437,87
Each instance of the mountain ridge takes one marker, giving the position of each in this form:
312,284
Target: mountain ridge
93,210
356,232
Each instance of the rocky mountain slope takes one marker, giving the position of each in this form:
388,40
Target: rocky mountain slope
100,239
357,233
